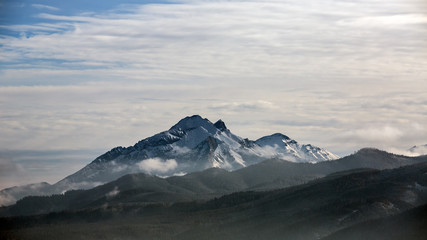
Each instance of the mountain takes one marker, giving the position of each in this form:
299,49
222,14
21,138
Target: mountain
193,144
283,146
313,210
213,182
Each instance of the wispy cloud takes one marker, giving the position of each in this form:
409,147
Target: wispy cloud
47,7
369,135
244,106
229,40
113,192
40,27
386,20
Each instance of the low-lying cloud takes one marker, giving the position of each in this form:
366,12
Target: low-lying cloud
157,165
380,134
113,192
244,106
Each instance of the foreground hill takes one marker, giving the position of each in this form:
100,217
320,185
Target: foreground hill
310,211
410,225
214,182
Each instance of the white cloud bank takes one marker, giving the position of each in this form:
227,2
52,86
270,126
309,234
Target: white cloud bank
241,41
157,165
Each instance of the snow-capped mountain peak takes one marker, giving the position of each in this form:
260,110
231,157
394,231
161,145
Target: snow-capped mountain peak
283,147
193,144
220,125
278,139
195,121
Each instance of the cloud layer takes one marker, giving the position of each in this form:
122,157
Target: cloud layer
244,41
337,74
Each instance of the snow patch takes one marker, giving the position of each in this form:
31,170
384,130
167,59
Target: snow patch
229,139
238,158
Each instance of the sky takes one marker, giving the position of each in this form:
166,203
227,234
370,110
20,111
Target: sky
78,78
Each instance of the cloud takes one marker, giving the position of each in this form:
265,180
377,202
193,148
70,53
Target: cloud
413,151
244,106
181,150
116,168
248,40
396,138
157,165
6,199
40,27
45,7
179,174
68,186
419,150
387,20
381,134
113,193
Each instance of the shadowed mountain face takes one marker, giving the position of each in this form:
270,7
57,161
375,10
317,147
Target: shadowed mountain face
270,174
193,144
309,211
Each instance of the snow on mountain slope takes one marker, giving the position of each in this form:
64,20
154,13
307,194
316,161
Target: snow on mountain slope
193,144
281,146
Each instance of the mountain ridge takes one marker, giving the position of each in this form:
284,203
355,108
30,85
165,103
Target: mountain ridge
267,175
313,210
193,144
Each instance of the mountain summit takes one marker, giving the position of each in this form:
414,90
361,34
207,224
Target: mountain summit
220,125
193,144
